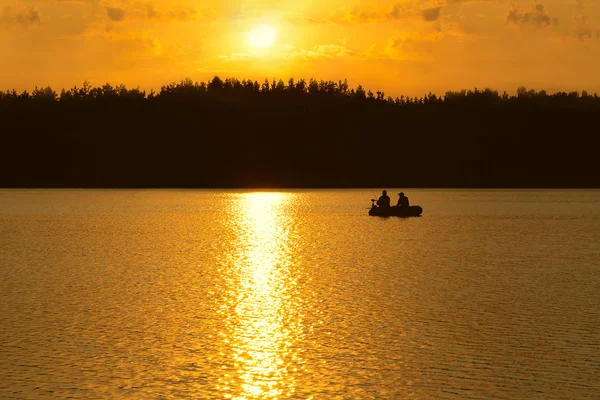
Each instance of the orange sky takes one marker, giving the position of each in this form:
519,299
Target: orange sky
404,47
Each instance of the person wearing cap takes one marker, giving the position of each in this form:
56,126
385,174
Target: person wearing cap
402,200
384,200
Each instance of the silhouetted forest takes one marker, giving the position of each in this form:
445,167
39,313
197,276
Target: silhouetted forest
231,133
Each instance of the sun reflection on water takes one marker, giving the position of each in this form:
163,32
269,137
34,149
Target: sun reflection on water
262,311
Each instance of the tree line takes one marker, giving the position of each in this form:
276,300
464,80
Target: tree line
232,88
315,133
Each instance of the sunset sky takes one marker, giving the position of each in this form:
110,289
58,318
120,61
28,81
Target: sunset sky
404,47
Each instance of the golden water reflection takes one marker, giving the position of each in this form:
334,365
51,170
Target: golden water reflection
262,312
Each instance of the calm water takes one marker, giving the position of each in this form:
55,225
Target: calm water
203,294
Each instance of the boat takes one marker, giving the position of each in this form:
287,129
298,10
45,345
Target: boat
395,211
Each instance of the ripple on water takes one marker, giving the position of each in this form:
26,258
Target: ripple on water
199,294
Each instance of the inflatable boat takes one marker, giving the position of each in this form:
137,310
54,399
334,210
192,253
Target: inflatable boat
412,211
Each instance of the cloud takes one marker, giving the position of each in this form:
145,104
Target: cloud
537,16
180,14
115,14
327,51
407,46
579,3
235,57
397,12
468,1
583,32
421,47
432,14
288,52
31,17
127,45
10,15
411,47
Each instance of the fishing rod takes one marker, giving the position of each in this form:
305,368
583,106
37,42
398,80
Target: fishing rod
373,200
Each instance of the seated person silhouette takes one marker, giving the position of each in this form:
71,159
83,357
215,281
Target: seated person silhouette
384,200
402,200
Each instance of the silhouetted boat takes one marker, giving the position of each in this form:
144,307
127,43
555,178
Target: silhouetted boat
412,211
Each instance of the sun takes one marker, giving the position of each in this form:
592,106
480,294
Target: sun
262,36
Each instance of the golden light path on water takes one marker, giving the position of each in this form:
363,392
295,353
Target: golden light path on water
261,312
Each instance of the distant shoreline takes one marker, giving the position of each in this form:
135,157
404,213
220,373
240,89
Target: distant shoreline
304,134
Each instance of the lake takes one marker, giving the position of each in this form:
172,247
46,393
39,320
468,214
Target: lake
164,294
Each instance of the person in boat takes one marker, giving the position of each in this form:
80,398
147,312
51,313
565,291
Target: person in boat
384,200
402,200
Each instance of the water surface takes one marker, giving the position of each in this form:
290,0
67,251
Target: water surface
156,294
